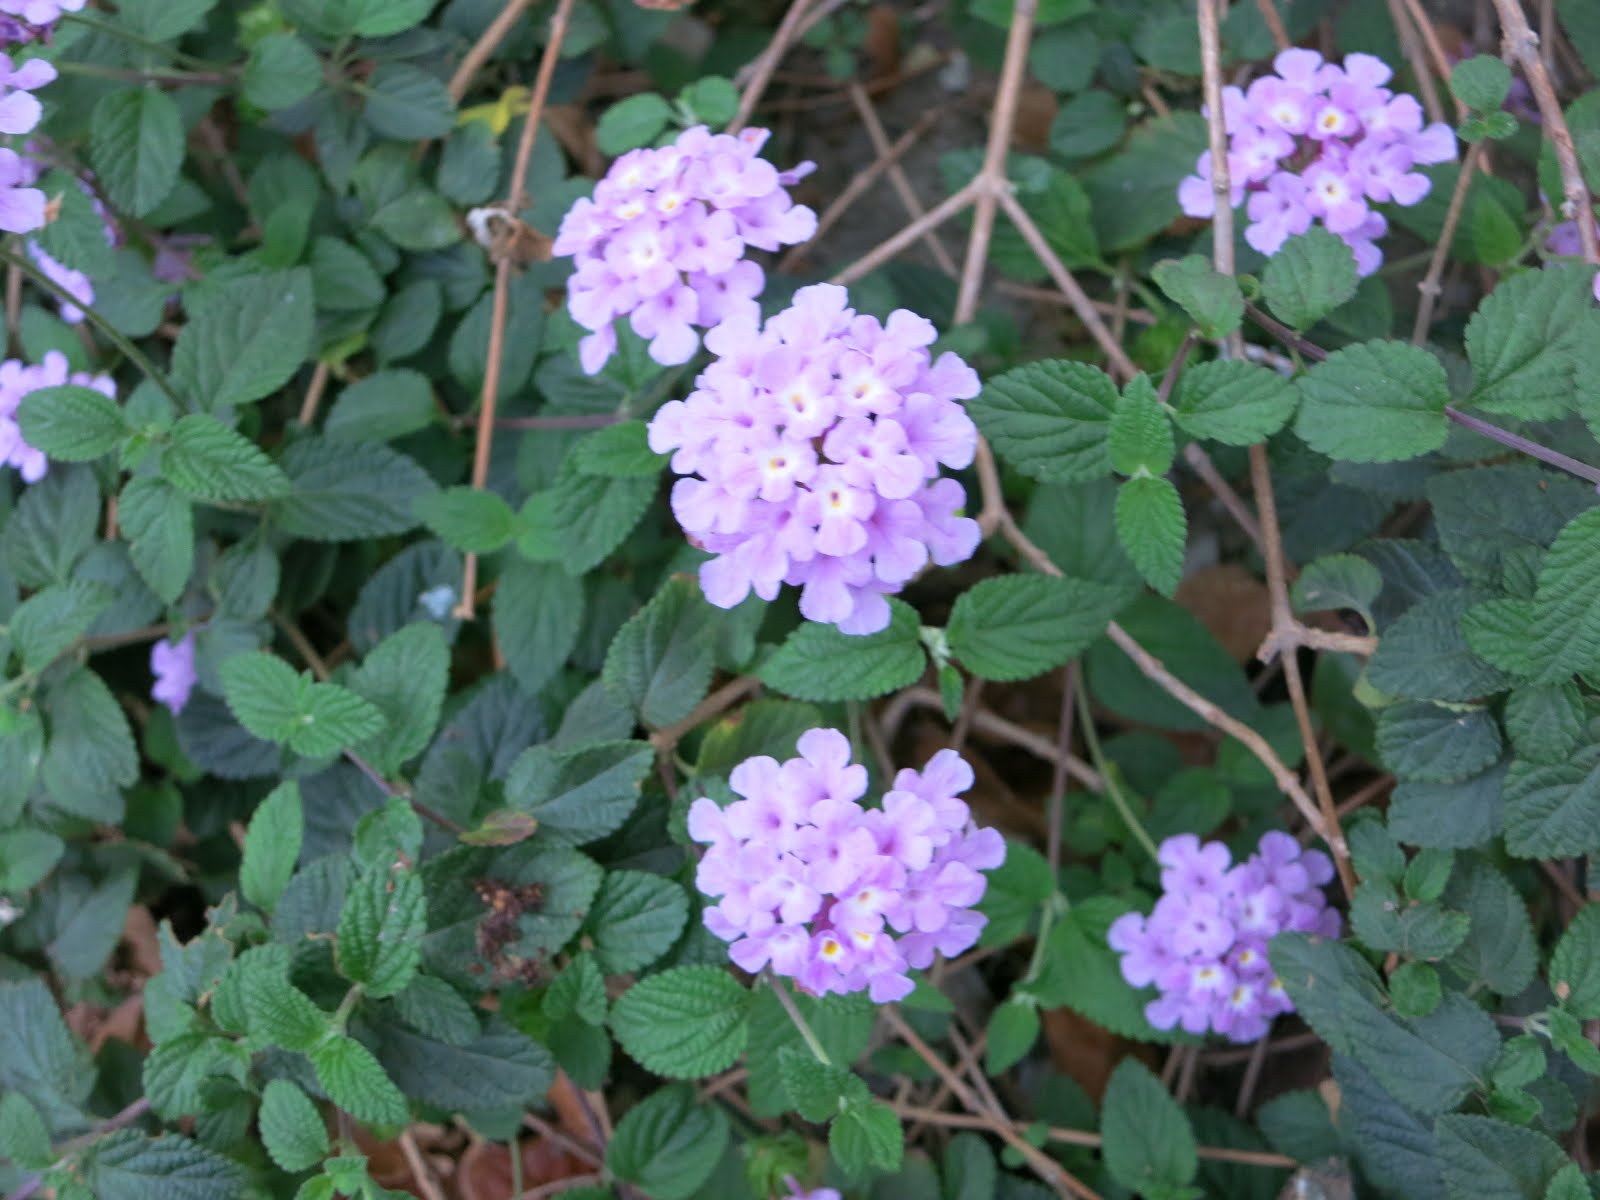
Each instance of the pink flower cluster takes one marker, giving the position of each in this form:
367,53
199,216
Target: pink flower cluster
812,883
1205,944
1319,142
17,379
663,241
812,450
172,663
22,206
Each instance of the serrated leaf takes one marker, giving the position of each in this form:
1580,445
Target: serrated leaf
291,1127
579,991
1013,1029
1500,950
1575,964
1374,402
1421,931
281,71
1232,401
1049,420
635,920
1566,606
247,340
405,102
383,406
356,1082
668,1145
1500,632
1480,82
817,662
275,1011
1552,810
381,924
1146,1139
661,659
136,147
1431,744
1153,529
619,451
404,677
24,1137
126,1165
1545,722
343,491
468,518
683,1023
1140,438
1337,581
209,461
631,123
276,703
496,1070
159,526
1425,656
1525,341
1211,298
579,795
590,515
1482,1158
51,619
1309,277
816,1090
538,611
1018,626
866,1135
71,423
91,748
272,846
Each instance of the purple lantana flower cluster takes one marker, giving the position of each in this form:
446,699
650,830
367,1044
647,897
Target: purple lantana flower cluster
663,241
172,663
22,206
811,449
838,897
1205,944
25,20
1320,142
17,379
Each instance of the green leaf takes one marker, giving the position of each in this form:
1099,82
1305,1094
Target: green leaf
817,662
136,146
274,702
1013,1029
579,991
619,451
816,1091
1082,972
683,1023
1338,581
1485,1159
1552,810
53,618
247,340
1147,1142
91,748
1545,721
1140,439
1374,402
1049,420
71,423
1494,520
1094,121
712,99
1153,529
496,1070
380,929
590,515
538,611
24,1137
383,406
126,1165
1018,626
468,518
668,1145
276,1012
1424,655
343,491
1211,299
631,123
159,526
1433,744
1481,82
1566,606
1527,338
1575,965
1414,989
406,103
26,857
1455,815
272,846
291,1127
1232,401
866,1135
579,795
404,677
207,460
1421,931
356,1082
281,71
52,527
343,278
661,660
1501,632
39,1059
1568,1184
635,919
1500,950
1309,277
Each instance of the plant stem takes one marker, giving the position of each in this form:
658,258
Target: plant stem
1544,454
793,1010
1118,801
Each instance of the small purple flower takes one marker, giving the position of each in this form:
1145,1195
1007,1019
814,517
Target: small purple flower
1315,142
663,242
838,897
812,448
21,204
1203,946
172,663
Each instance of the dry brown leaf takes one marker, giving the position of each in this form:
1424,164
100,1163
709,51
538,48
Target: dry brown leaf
882,43
485,1169
1085,1052
1232,603
1036,110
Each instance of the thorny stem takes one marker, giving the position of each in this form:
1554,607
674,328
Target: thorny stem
466,608
789,1006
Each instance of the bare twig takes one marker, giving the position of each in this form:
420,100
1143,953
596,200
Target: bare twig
1269,14
1429,287
1056,819
897,175
483,49
1411,47
1522,44
788,30
421,1173
724,698
318,385
466,609
986,722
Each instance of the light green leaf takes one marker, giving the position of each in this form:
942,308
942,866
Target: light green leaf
291,1127
468,518
1526,341
1153,529
356,1082
1140,439
631,123
136,146
71,423
866,1135
1049,420
1566,606
281,71
1575,965
1374,402
404,677
159,525
381,925
817,662
1309,277
683,1023
1211,299
1481,82
205,459
1013,1029
53,618
272,846
274,702
1018,626
1232,401
619,451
